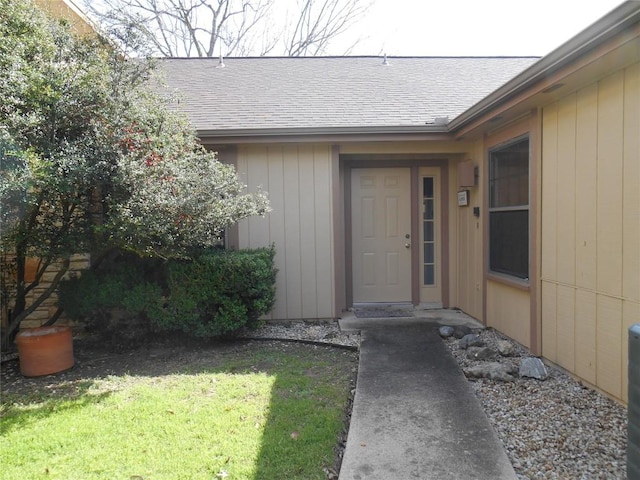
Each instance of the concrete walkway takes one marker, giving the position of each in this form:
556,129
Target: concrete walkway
414,414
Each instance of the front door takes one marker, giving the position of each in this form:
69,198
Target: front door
381,234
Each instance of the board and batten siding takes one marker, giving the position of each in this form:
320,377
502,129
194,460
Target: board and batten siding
298,179
466,233
591,229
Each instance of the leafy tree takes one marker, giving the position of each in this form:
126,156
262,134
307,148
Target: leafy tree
91,159
207,28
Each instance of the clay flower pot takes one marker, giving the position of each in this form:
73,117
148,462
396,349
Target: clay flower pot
45,350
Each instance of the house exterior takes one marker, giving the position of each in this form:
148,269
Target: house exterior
506,187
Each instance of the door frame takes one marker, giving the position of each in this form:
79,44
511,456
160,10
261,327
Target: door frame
413,162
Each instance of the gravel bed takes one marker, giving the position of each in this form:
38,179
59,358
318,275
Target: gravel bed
324,333
551,429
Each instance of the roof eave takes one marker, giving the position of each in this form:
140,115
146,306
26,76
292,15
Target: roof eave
625,15
373,133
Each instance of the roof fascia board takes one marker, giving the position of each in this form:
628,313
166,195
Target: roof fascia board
289,135
622,17
529,97
78,11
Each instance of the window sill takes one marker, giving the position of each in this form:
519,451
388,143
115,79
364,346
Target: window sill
514,282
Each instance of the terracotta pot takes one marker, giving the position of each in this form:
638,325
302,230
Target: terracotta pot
45,350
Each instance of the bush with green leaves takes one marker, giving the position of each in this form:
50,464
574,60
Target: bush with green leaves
116,300
123,284
220,292
215,294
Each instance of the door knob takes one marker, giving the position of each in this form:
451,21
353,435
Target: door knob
407,245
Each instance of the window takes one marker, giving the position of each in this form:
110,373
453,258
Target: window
509,209
429,233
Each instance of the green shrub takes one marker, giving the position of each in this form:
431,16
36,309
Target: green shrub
217,293
121,285
117,300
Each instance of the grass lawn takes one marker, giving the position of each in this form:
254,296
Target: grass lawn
251,410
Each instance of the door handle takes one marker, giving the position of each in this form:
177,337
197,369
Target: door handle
407,245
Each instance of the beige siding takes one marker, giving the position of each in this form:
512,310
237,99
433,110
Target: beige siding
298,179
468,268
442,148
591,229
586,164
630,214
609,186
549,192
585,335
550,321
67,10
508,310
608,342
290,280
631,186
566,193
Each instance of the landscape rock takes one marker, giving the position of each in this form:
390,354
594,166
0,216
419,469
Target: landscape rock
460,331
534,368
505,348
493,371
446,331
481,353
471,340
547,428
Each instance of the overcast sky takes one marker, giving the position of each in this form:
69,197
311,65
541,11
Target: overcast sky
473,27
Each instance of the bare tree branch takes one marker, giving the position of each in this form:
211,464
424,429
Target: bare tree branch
320,21
206,28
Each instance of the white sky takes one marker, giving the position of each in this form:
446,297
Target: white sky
472,27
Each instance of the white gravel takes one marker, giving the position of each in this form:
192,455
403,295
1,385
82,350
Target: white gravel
551,429
321,332
555,428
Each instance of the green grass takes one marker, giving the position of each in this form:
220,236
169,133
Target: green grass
213,416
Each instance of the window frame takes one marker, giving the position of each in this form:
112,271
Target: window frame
512,274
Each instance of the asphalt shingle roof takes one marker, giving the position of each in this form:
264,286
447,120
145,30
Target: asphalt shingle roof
333,92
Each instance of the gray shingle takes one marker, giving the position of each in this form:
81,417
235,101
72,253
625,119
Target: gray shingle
319,92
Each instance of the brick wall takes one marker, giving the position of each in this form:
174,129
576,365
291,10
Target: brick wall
48,308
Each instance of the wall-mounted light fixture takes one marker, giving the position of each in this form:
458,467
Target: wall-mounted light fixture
467,174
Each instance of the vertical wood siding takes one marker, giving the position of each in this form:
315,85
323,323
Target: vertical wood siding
467,272
508,310
298,179
591,229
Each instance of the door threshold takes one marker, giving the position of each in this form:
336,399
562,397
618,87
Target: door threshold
383,310
430,306
407,305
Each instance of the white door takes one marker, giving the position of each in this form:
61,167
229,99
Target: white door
380,229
